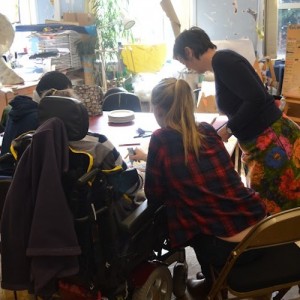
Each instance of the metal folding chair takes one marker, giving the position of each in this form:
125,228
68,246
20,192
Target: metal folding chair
276,269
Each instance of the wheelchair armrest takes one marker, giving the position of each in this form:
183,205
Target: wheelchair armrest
139,217
91,174
6,156
7,165
88,176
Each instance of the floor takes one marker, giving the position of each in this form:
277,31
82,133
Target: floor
293,294
193,268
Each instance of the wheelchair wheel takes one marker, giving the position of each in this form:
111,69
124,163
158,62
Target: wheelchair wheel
180,274
157,286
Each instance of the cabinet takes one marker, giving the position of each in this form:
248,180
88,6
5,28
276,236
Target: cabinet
8,93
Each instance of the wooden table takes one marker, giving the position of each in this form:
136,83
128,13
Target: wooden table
123,135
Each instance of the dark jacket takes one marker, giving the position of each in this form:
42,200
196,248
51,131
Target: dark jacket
39,242
22,117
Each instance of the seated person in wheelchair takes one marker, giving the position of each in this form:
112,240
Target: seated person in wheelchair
189,169
105,155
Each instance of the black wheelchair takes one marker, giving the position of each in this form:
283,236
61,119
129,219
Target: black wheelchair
125,253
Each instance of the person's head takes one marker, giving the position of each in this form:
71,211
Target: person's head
65,105
173,106
191,46
172,102
51,80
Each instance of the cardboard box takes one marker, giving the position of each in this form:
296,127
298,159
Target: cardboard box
70,17
82,19
49,21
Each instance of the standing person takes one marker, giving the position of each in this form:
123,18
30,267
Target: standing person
270,142
23,115
190,171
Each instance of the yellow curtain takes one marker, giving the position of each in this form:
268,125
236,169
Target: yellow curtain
144,58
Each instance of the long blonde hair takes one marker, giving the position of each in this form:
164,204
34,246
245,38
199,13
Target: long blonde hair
174,96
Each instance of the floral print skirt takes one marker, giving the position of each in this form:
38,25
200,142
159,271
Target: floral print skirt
272,165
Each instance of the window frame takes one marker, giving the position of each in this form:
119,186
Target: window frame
288,5
282,36
271,25
12,11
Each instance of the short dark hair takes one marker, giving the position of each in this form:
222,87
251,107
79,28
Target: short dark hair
53,80
194,38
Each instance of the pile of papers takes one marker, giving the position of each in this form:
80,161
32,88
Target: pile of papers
63,44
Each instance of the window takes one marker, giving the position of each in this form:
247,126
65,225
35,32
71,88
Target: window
288,13
11,10
152,23
152,26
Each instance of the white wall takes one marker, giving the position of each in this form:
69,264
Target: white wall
224,19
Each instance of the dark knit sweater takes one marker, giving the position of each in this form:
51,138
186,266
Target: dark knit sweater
241,95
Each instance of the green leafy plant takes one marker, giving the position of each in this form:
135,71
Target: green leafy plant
108,20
